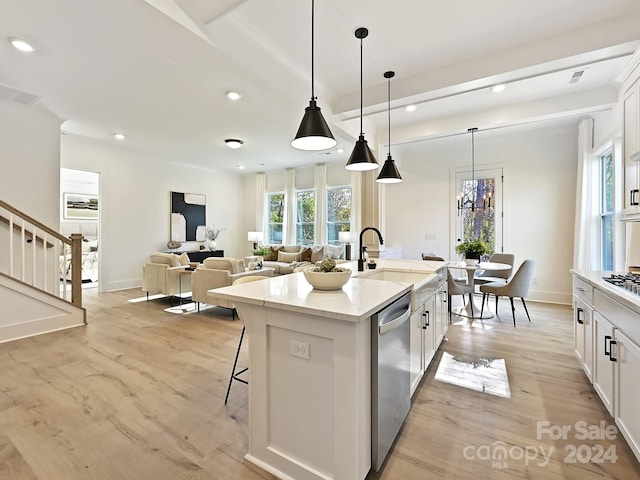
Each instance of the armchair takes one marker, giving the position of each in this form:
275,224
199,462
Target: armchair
161,275
216,273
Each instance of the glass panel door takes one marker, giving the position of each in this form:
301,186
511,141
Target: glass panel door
479,207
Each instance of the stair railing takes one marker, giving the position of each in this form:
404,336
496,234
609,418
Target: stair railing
39,256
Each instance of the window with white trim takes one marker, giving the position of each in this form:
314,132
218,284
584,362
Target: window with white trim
338,212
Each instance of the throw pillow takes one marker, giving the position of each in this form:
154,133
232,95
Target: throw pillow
316,253
184,259
287,257
291,248
305,254
272,256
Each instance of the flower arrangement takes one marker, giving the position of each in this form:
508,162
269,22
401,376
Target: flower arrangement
213,233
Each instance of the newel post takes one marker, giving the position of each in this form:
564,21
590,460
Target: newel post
76,269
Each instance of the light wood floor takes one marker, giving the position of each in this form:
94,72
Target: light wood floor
138,394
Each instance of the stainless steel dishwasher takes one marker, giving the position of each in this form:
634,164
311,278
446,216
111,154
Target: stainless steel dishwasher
390,384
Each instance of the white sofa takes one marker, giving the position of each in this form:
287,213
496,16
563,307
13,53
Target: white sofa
161,275
286,259
217,272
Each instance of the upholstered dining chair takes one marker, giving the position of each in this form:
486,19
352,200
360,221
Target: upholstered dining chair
496,275
517,286
455,287
235,373
432,257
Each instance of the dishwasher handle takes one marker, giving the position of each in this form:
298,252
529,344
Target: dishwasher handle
395,323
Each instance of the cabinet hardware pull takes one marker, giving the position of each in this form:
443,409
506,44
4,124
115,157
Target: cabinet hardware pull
611,357
632,199
607,337
580,289
426,321
578,312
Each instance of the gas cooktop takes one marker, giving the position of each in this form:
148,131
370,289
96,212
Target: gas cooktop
628,281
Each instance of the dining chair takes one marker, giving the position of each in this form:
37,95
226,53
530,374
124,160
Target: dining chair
497,275
517,286
432,257
455,287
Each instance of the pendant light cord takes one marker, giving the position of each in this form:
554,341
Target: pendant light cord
313,95
361,129
389,111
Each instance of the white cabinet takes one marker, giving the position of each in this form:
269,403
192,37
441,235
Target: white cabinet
603,371
583,335
626,356
630,105
429,322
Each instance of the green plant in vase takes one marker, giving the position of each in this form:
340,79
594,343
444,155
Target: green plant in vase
261,251
472,249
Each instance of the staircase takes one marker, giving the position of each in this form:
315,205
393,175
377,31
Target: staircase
40,277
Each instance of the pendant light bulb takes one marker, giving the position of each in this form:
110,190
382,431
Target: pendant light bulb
313,133
362,157
389,172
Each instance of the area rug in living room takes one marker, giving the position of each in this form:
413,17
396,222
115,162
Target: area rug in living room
483,375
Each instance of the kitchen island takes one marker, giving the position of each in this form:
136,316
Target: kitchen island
310,369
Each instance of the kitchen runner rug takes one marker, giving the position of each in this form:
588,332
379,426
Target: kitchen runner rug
483,375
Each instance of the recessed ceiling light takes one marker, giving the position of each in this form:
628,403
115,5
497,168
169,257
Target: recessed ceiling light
233,142
118,136
410,108
21,45
240,167
233,95
498,88
340,150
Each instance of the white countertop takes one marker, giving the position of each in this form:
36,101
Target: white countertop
628,299
357,300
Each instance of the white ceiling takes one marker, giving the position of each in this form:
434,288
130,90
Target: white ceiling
157,70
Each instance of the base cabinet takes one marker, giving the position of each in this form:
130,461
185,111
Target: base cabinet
627,365
603,365
583,335
429,323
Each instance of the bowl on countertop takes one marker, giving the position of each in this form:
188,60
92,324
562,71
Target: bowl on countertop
327,280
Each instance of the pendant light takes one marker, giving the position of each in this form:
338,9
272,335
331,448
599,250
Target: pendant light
314,133
467,199
389,172
361,157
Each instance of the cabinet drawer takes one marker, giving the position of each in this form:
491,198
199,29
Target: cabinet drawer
583,290
619,315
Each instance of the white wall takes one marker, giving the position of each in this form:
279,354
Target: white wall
539,189
135,205
30,153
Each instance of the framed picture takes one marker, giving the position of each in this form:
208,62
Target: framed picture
188,212
79,206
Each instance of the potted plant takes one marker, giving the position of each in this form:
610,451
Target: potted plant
472,249
261,251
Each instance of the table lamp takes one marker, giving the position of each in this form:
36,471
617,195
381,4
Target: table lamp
346,238
254,237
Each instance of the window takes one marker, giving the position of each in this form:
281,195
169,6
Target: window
305,217
276,217
606,210
338,212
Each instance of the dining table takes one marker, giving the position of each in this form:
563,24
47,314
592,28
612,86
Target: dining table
470,310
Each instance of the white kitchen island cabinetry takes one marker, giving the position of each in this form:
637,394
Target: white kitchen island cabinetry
615,350
310,371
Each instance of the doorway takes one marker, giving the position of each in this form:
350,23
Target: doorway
479,207
80,213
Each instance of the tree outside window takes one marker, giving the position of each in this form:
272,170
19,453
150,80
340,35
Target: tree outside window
479,223
338,212
276,217
305,218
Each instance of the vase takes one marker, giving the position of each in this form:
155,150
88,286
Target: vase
213,245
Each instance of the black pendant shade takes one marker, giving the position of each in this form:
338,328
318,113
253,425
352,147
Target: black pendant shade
314,133
389,172
362,157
